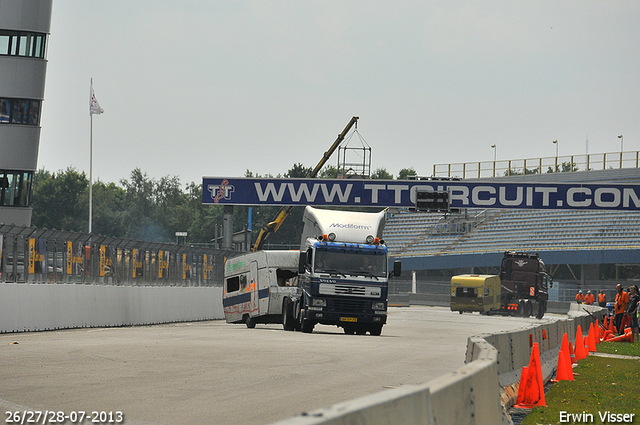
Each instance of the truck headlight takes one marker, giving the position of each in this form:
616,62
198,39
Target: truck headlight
377,306
319,302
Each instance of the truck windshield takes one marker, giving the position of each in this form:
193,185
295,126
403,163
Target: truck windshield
352,263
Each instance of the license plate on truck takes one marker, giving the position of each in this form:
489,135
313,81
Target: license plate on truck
348,319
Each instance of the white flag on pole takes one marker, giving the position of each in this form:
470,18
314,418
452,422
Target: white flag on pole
94,106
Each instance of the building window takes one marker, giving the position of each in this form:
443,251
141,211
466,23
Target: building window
21,43
15,188
19,111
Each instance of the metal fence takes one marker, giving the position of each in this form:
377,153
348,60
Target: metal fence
31,255
554,164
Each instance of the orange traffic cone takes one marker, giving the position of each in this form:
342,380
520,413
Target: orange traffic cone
606,322
565,344
598,332
534,384
572,354
591,339
523,380
626,337
580,351
612,327
565,371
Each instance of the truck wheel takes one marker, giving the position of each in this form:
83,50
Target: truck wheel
287,315
375,330
361,330
527,309
349,330
521,308
249,321
307,326
542,308
297,314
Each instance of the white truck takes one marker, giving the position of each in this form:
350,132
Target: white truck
341,277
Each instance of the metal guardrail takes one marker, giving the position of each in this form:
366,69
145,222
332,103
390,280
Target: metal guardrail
31,255
554,164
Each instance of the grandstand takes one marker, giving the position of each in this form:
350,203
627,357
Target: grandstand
416,234
475,240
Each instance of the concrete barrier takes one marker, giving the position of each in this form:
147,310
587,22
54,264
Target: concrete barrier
37,307
471,394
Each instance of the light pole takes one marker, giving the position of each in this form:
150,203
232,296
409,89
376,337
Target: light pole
621,142
495,152
621,148
555,142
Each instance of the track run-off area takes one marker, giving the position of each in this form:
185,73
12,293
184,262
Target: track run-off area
217,373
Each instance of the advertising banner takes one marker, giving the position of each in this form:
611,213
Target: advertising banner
186,266
106,262
137,259
163,264
402,193
207,266
74,258
37,255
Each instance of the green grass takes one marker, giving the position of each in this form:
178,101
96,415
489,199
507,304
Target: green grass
600,384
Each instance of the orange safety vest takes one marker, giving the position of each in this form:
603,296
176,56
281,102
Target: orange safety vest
622,301
602,298
589,299
580,297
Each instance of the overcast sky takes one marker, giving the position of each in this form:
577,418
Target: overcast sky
213,88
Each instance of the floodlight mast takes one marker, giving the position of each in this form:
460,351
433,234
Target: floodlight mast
275,224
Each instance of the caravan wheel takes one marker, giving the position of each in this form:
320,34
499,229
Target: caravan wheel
249,321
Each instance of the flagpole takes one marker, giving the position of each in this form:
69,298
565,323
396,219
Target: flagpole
91,169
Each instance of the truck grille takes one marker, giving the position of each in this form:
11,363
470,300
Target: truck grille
350,306
350,290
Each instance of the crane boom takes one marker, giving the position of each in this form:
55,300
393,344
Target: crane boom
275,224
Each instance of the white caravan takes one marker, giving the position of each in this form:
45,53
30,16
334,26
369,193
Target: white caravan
256,285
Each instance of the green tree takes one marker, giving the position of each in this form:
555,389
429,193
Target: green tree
329,172
55,200
298,171
381,174
108,209
139,215
406,172
565,167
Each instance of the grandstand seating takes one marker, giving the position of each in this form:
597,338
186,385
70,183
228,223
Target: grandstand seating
413,234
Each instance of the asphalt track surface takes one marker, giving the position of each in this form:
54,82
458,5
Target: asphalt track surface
217,373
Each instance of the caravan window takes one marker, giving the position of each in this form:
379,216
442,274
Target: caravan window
466,292
287,277
233,284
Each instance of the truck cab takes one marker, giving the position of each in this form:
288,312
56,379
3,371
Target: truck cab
343,272
525,284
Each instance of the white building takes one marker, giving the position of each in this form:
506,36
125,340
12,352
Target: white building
24,31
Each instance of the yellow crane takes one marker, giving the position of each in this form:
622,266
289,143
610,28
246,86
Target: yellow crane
275,224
